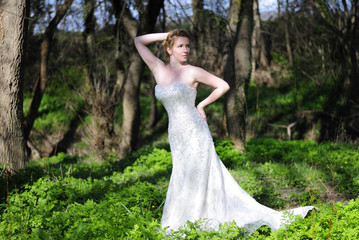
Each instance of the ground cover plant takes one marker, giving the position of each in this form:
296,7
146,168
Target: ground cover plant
67,197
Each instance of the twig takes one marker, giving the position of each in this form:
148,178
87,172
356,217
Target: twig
288,127
319,84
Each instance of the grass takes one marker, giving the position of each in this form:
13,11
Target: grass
68,197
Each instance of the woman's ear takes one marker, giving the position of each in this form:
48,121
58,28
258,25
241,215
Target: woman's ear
169,51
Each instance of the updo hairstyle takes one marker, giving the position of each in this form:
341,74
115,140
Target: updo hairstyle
171,37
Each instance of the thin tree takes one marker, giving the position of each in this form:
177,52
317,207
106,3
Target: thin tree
238,70
104,91
13,25
260,50
131,111
41,82
340,25
287,34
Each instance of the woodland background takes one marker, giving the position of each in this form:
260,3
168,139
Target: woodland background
77,108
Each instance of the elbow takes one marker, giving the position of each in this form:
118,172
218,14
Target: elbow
226,87
136,40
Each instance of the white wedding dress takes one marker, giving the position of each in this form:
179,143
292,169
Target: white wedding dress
200,185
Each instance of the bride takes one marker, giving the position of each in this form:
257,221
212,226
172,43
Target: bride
200,186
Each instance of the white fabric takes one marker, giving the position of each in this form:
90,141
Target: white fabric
200,185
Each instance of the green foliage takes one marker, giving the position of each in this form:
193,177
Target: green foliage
59,102
229,155
66,197
307,161
291,95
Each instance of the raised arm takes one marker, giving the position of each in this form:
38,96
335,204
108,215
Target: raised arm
141,43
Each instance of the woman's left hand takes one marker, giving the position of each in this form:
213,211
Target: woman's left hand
201,111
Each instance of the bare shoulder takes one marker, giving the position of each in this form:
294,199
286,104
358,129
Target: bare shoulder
198,73
195,70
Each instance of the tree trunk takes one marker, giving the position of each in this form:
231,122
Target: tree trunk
196,30
131,113
45,52
353,50
89,38
13,27
236,98
260,56
278,9
121,46
131,106
255,37
97,128
197,7
287,39
154,111
228,59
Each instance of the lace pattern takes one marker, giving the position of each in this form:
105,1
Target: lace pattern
200,185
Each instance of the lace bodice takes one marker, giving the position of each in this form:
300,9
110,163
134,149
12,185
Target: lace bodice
184,118
179,102
176,98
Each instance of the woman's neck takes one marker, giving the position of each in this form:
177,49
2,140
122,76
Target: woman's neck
177,65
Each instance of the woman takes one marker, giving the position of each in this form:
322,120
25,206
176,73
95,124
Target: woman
200,185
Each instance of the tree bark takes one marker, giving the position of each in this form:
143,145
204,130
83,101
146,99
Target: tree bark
197,6
196,30
287,39
153,119
255,37
229,72
131,110
341,30
261,47
353,50
45,52
121,46
236,98
278,9
13,27
89,38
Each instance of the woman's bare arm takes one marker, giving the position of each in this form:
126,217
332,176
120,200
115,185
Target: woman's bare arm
220,87
148,57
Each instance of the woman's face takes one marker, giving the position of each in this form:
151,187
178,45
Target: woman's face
180,50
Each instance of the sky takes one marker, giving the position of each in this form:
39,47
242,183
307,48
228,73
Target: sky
76,21
267,5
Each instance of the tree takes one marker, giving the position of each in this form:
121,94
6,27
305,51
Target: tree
207,31
103,89
287,39
238,70
13,26
131,113
260,49
340,25
41,82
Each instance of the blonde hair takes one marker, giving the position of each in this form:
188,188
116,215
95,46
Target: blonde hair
170,40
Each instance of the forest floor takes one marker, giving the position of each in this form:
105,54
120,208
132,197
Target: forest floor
72,197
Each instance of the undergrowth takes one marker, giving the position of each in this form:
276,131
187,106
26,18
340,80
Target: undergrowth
67,197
